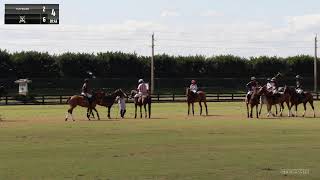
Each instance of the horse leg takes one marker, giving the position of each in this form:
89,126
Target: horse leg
188,108
69,113
311,104
135,110
145,110
269,110
109,112
149,110
276,110
192,108
296,108
205,105
141,111
260,108
248,110
289,109
305,109
257,106
281,109
89,111
251,107
200,105
97,113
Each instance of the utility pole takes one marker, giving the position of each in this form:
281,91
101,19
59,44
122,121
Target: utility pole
152,64
315,62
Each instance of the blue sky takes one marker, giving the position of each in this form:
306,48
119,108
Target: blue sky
182,27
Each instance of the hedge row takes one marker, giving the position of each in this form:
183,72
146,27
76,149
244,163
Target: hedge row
33,64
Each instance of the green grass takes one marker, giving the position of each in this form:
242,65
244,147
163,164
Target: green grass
36,143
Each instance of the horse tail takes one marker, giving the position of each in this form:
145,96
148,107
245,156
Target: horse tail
68,99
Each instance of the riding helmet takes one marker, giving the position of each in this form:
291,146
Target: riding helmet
273,79
193,81
253,78
86,80
298,77
269,79
140,81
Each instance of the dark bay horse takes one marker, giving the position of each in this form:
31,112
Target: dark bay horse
2,92
141,101
274,99
109,100
199,97
253,100
297,99
79,100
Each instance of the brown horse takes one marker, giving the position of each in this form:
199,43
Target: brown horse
253,100
2,92
79,100
109,100
274,99
297,99
200,96
141,101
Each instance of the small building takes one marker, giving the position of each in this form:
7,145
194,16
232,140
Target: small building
23,86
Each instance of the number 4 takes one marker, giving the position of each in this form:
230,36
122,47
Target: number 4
53,13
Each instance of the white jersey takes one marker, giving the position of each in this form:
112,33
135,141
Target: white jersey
193,88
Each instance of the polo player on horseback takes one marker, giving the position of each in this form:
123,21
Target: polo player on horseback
274,86
143,89
194,88
86,91
269,86
299,89
250,86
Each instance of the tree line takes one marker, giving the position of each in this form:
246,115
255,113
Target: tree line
32,64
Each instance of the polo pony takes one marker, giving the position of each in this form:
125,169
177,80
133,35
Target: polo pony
80,100
141,101
296,99
108,100
200,97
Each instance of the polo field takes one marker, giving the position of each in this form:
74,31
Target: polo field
36,143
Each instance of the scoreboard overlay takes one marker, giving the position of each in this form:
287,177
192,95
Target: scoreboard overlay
31,14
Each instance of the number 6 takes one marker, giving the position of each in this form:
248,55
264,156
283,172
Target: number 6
44,19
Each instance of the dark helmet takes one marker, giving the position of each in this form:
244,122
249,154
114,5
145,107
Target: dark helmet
86,80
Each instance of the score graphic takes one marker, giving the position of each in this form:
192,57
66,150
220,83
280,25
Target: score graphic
31,14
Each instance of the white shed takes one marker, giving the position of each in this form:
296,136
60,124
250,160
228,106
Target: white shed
23,86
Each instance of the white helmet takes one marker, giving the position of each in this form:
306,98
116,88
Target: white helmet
253,78
140,81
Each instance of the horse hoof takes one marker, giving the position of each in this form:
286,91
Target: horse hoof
66,120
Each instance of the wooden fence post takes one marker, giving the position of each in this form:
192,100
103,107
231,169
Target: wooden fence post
42,99
158,97
173,97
